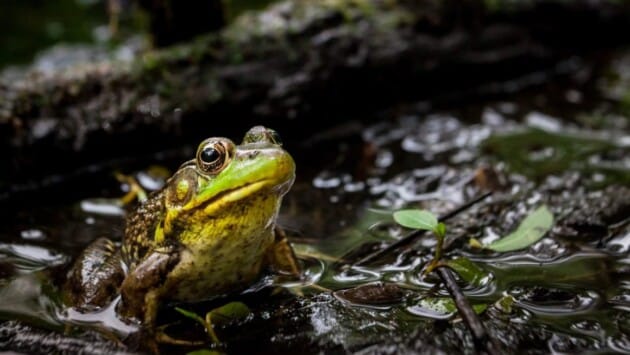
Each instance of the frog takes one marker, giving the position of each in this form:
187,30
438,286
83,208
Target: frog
209,231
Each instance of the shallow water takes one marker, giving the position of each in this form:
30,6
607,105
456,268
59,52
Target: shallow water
569,293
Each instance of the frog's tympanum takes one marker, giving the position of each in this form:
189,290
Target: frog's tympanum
209,231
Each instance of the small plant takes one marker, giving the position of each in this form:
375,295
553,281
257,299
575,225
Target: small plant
529,231
424,220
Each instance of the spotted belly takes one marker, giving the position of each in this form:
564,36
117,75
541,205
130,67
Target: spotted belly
207,271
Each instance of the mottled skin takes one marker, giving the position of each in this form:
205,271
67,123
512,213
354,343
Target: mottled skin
209,231
96,276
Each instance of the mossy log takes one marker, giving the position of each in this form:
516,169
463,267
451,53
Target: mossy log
297,66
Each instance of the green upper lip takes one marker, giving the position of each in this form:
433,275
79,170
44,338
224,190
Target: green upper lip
275,167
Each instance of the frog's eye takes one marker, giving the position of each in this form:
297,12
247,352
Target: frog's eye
274,137
214,155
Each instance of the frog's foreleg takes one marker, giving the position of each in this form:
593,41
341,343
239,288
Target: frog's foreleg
142,289
281,256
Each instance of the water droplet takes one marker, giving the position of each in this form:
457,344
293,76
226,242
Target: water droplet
354,186
507,108
356,274
384,158
573,96
546,123
150,182
107,207
32,234
589,328
491,117
325,180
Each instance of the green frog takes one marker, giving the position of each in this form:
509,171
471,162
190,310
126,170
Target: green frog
209,231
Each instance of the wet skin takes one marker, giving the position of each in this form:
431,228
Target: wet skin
209,231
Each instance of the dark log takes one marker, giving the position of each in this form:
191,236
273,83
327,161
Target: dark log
296,66
174,21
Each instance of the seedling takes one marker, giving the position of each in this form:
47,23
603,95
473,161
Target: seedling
424,220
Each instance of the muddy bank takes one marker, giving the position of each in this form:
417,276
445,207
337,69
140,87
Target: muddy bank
298,67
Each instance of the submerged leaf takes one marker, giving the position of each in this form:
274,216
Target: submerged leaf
226,313
416,219
474,243
378,293
468,270
531,229
479,307
441,305
505,303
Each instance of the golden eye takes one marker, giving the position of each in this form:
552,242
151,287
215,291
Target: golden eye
214,155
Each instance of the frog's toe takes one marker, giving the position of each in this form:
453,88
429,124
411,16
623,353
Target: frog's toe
163,338
281,257
136,192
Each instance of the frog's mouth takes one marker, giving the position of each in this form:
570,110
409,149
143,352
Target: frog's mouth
223,198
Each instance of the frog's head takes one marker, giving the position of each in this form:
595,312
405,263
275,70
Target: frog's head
227,188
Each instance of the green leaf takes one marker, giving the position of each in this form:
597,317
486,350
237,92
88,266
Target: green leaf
192,315
468,271
416,219
531,229
505,303
229,312
475,244
479,307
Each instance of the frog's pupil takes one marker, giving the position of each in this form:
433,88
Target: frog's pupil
209,155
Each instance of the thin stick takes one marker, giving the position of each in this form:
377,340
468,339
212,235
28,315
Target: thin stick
479,333
414,235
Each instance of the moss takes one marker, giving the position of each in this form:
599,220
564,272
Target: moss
537,154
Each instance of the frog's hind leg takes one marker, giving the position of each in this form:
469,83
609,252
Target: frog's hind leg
281,257
95,277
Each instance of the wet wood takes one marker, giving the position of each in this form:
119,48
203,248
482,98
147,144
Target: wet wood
483,343
174,21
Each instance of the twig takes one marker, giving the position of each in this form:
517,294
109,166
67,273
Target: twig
479,333
414,235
